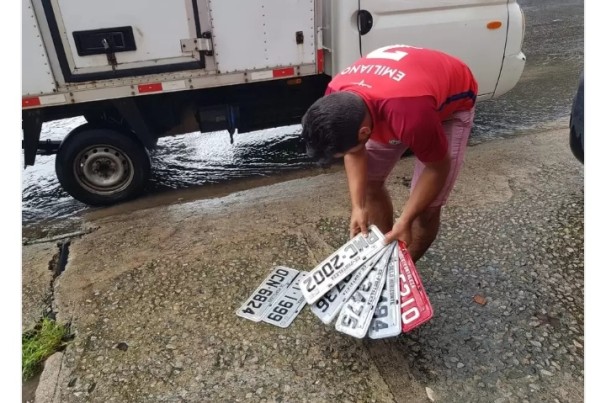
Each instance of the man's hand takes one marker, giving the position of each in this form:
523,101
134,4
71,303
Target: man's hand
359,221
401,231
355,166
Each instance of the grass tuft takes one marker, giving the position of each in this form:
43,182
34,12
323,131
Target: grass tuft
38,345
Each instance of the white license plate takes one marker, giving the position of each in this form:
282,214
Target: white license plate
356,315
387,321
288,304
341,263
329,305
274,284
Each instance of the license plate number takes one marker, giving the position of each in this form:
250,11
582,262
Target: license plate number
288,305
341,263
274,284
414,304
356,315
386,321
329,305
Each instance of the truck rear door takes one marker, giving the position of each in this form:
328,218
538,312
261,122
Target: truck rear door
107,39
473,30
275,36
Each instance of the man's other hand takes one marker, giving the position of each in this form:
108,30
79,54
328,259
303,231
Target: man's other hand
401,231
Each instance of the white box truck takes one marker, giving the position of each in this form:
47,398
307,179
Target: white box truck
138,70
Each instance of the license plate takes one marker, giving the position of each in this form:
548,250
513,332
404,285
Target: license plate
341,263
386,321
274,284
288,304
356,315
414,303
329,305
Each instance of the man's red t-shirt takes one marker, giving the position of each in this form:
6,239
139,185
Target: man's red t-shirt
409,91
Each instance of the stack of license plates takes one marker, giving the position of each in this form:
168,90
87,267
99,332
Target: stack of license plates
372,289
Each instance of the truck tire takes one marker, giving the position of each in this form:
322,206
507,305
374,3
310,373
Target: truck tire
101,166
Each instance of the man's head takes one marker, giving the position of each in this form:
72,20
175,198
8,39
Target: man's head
336,124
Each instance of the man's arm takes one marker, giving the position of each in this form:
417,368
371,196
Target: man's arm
418,125
355,167
430,183
428,187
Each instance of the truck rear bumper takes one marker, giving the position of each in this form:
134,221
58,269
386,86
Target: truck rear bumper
513,66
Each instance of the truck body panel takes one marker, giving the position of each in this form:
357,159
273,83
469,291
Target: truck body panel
457,27
261,37
37,74
266,34
513,60
157,28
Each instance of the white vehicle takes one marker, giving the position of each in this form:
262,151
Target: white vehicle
138,70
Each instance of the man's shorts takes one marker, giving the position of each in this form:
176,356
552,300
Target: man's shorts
383,157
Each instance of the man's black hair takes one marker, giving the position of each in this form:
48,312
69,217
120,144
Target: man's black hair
331,125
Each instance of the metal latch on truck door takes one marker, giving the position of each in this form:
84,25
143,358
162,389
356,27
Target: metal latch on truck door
203,44
111,56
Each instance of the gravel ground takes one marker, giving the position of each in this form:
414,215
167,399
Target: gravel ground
526,259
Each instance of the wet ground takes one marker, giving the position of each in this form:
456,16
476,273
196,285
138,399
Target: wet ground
554,49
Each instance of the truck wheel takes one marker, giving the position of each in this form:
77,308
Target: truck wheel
101,166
